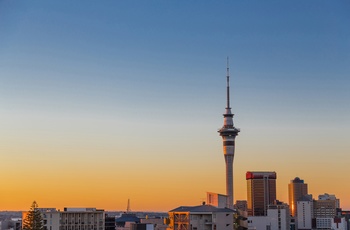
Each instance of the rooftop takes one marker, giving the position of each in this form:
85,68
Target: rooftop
201,208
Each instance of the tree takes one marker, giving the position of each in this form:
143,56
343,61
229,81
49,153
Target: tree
33,220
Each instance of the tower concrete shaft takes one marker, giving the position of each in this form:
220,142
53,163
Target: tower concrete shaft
228,133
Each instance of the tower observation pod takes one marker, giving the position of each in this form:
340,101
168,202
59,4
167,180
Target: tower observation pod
228,132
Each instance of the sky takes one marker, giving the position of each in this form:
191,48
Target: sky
105,101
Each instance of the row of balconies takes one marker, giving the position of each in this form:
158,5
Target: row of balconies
81,223
75,228
62,221
81,218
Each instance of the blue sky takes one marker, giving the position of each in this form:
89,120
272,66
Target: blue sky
89,78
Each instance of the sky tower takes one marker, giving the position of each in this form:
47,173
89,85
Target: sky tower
228,132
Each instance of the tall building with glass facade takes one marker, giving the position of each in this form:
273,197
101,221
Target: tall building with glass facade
261,191
296,190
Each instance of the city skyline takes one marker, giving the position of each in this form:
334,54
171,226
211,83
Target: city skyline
105,102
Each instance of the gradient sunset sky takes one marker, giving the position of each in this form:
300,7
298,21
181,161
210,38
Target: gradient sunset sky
101,101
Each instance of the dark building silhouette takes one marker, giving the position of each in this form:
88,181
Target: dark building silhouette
109,222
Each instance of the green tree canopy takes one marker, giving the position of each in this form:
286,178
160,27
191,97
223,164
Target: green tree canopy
34,219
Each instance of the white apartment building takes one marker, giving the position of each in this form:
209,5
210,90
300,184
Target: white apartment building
51,218
278,218
202,217
72,219
305,213
82,219
331,223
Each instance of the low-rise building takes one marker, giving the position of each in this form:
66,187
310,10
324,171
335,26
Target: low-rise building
336,223
202,217
158,223
72,218
278,218
11,224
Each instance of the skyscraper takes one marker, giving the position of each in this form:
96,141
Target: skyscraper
296,190
228,133
261,191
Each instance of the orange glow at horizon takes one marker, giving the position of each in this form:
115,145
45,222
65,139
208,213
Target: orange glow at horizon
155,186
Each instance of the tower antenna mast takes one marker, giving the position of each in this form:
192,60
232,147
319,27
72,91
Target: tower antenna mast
228,84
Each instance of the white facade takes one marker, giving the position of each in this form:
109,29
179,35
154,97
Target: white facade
278,218
259,223
82,219
204,217
51,218
323,223
339,224
72,219
331,223
305,214
217,200
219,220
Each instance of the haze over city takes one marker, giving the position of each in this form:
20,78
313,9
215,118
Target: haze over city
102,102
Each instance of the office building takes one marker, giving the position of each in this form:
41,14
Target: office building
228,132
296,190
326,206
305,212
261,191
